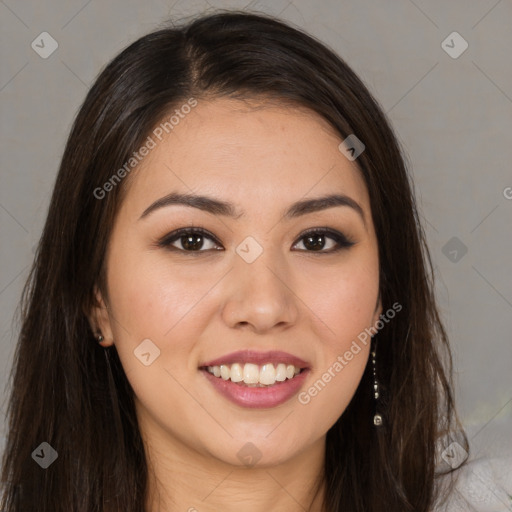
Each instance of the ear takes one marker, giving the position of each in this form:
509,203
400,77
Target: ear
99,319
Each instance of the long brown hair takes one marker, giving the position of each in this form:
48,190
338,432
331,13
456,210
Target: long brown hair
73,394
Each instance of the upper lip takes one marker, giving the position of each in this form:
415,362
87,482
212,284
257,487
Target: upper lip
259,358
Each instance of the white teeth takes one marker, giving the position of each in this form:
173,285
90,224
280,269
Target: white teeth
254,375
281,372
268,374
224,372
236,374
251,373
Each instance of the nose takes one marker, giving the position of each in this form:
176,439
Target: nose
260,296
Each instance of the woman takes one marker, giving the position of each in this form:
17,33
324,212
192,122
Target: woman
232,302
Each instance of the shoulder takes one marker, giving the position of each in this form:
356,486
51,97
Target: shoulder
482,485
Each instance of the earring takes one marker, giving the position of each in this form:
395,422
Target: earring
99,337
377,418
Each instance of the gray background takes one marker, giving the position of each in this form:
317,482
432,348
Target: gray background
452,115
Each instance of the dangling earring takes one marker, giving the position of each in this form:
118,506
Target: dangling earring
377,418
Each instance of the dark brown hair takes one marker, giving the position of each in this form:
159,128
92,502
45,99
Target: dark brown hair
73,394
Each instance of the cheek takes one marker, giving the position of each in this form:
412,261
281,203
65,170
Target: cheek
344,299
153,303
152,297
164,303
332,387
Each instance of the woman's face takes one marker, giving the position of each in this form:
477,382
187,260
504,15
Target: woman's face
256,296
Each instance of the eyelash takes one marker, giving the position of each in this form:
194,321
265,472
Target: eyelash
343,241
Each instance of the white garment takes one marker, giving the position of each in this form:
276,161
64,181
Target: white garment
483,485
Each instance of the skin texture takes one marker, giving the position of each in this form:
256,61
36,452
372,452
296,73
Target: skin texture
200,306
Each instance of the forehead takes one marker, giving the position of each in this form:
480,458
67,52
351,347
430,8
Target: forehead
252,154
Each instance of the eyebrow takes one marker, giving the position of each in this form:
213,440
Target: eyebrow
219,207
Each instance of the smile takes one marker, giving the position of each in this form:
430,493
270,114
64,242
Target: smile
256,379
253,375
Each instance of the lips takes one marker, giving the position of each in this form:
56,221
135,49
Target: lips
258,398
245,396
260,358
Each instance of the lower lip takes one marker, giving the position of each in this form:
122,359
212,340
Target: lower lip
258,398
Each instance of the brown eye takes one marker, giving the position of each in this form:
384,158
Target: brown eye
198,240
192,242
316,241
189,240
